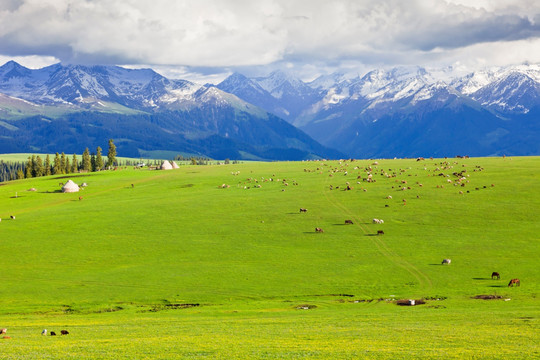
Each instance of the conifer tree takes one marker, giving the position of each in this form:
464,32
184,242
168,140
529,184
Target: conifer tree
29,167
47,165
93,162
20,174
99,159
68,166
74,164
38,167
62,163
86,163
56,164
111,155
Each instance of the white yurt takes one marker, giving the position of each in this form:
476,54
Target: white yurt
70,187
174,165
166,165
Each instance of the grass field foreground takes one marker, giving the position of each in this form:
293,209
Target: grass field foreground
218,261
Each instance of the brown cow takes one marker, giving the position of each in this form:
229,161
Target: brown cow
64,332
319,230
380,232
513,282
3,331
348,222
303,210
80,198
495,275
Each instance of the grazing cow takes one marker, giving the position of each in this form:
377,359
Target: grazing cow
446,261
319,230
12,217
495,275
53,333
513,282
44,332
380,232
348,222
132,185
80,198
303,210
64,332
3,331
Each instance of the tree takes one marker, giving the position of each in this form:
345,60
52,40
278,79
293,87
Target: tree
68,166
38,167
93,162
56,164
47,165
20,174
29,168
63,163
86,163
74,164
111,155
99,159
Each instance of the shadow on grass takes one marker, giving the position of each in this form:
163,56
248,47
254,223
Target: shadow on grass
498,286
50,192
436,264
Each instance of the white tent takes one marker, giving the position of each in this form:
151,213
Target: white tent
70,187
166,165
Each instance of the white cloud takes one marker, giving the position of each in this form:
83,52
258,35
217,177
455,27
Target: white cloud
310,34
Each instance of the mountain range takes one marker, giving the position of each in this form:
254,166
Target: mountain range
400,112
68,108
407,112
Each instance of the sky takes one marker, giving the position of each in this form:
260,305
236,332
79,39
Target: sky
205,40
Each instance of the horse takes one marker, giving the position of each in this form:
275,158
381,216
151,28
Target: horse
303,210
495,275
513,282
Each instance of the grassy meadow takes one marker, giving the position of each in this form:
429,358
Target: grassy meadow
172,264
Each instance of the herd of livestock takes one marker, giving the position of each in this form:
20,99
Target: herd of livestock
364,175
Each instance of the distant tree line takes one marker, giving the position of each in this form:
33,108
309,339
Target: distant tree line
35,166
11,170
202,160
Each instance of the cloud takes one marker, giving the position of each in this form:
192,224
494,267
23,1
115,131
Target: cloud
224,34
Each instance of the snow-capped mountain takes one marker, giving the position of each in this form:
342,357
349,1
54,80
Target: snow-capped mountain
423,112
338,104
144,108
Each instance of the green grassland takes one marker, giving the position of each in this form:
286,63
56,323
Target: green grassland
171,264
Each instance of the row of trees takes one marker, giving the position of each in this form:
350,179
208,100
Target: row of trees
36,166
11,170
